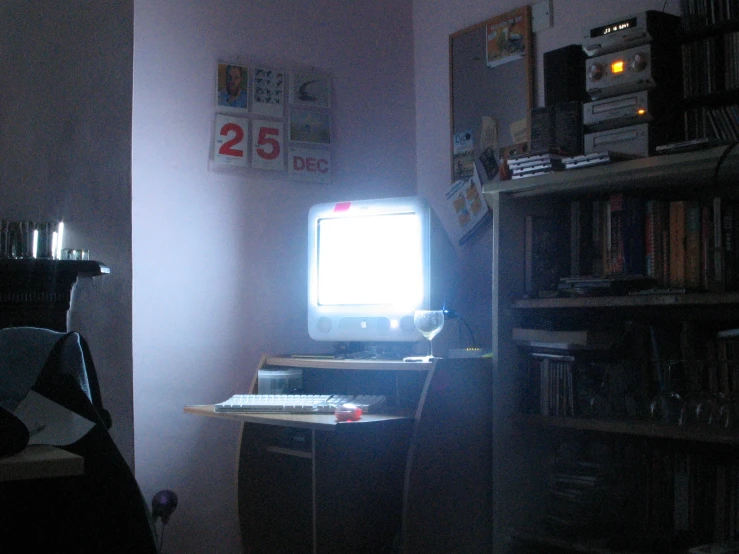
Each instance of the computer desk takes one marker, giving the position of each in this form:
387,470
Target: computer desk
415,480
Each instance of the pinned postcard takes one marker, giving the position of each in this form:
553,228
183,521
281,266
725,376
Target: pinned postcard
505,39
464,162
466,202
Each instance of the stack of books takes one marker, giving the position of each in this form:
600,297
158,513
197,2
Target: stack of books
530,165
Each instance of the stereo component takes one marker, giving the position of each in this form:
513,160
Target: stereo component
639,68
640,140
631,109
634,30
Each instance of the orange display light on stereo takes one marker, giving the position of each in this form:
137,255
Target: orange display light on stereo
617,67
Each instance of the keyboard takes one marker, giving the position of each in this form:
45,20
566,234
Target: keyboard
299,403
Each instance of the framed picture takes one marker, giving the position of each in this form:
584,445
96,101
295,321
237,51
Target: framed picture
233,86
310,89
310,126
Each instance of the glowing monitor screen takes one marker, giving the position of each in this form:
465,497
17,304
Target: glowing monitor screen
368,269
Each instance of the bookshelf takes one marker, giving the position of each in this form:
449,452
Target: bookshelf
710,61
624,478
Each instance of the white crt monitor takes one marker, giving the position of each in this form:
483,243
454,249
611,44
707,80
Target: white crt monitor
368,269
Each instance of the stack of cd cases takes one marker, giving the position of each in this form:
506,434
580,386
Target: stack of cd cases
595,158
530,165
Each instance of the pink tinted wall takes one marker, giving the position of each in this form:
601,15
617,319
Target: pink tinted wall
433,22
219,259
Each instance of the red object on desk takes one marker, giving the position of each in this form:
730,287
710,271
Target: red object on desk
348,412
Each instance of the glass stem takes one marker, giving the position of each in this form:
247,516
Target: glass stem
431,348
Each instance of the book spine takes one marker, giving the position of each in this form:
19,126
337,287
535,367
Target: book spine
575,238
596,243
528,256
728,238
705,247
718,283
651,243
677,243
633,239
616,234
692,245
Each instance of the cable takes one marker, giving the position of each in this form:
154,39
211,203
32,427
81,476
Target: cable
449,313
720,161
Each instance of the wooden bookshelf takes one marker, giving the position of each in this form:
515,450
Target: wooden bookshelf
688,169
527,447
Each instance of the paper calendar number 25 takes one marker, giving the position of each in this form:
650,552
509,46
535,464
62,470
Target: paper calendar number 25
229,140
237,136
267,148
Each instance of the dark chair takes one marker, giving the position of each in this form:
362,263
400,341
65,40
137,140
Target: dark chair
100,511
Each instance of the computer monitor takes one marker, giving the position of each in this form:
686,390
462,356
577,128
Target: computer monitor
368,269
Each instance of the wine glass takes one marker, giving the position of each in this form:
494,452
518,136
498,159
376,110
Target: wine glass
667,406
429,323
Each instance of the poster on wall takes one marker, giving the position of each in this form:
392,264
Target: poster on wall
310,89
267,145
268,98
505,39
232,86
313,126
230,140
309,164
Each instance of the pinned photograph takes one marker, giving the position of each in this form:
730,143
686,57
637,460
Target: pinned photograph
310,126
310,89
268,92
505,38
233,89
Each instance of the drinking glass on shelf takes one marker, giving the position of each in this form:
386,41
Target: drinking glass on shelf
429,323
705,402
667,406
728,403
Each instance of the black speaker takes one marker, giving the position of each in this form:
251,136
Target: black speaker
564,75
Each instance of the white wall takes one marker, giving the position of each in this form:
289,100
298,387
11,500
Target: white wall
220,260
433,22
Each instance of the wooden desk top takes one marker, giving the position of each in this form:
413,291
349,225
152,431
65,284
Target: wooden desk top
40,461
323,422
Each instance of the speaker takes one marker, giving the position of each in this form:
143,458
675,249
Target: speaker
564,75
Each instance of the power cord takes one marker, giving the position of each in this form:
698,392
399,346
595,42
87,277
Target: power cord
449,313
720,161
162,506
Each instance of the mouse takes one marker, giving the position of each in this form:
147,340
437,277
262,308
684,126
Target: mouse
14,434
348,412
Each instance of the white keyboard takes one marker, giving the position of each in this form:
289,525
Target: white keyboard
299,403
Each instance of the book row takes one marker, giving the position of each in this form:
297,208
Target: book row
692,495
681,244
719,122
687,499
710,65
698,14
